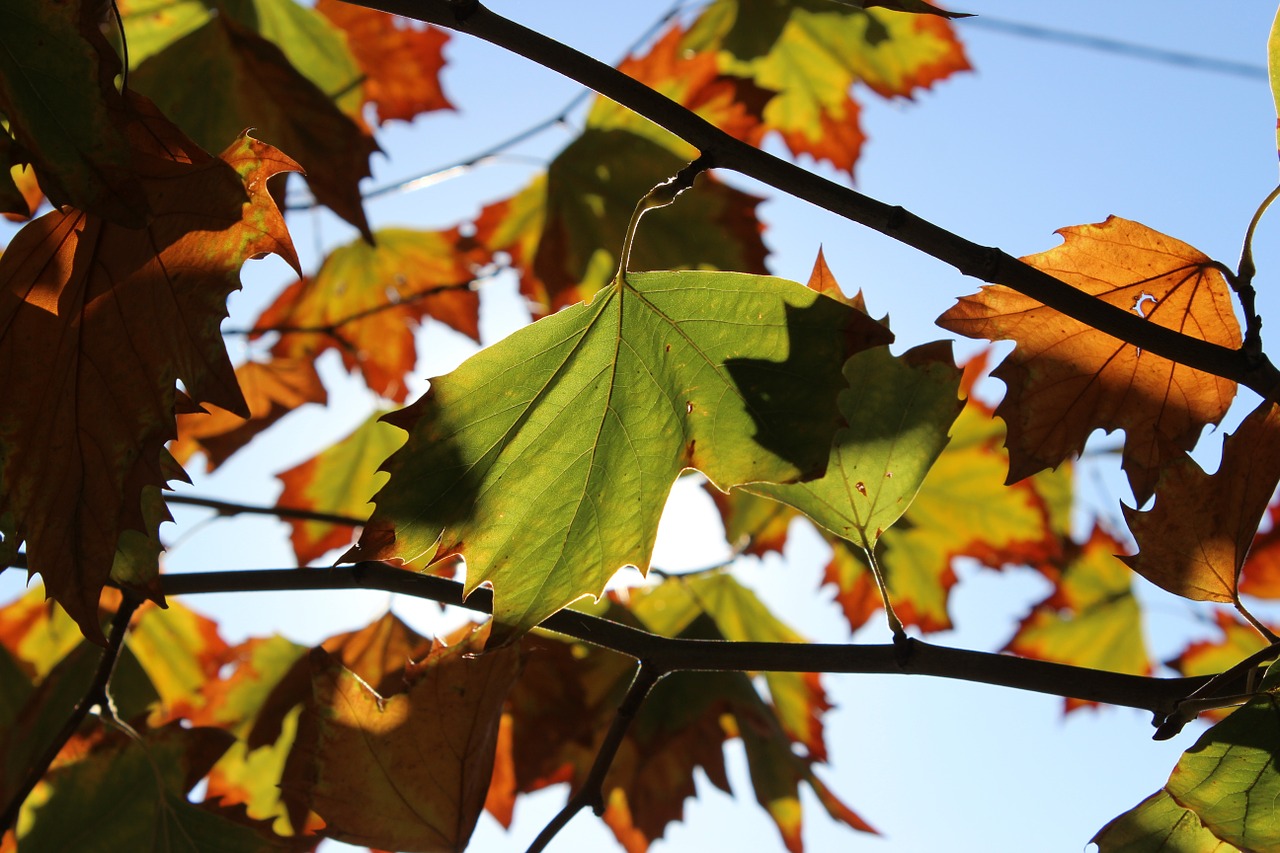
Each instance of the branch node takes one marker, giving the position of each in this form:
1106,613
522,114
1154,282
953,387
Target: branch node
463,9
903,646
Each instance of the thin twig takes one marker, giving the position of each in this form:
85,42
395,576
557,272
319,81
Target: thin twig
592,791
231,508
95,694
1158,695
724,151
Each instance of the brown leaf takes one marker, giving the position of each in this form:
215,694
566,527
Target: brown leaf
1066,379
99,324
1194,541
409,771
271,389
401,60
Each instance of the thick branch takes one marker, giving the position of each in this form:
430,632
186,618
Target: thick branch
667,654
724,151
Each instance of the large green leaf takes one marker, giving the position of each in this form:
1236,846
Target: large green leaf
1225,790
546,459
899,411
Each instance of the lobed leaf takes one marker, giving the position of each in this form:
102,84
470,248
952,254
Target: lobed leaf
1065,379
586,417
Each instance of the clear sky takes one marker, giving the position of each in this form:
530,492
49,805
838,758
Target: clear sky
1041,136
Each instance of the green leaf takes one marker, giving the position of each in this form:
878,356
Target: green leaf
899,411
152,25
1228,784
1273,69
546,459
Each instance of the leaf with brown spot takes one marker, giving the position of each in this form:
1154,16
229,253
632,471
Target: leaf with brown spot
400,59
98,323
271,390
1193,542
1065,379
408,771
367,301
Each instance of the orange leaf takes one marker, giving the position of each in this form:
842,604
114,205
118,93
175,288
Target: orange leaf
97,325
403,772
271,389
367,300
1066,379
1194,541
1260,575
400,60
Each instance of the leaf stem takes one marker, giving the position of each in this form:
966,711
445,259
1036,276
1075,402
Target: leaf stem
1259,626
592,791
1242,283
660,196
95,694
895,624
722,150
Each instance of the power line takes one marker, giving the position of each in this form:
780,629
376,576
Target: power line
1123,48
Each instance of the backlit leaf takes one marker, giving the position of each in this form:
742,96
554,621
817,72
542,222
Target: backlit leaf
401,60
259,88
1091,619
180,651
1065,379
367,301
603,405
1225,788
152,25
79,443
1239,640
914,6
564,230
1194,540
898,410
271,390
58,92
407,771
340,480
1273,69
811,53
753,524
1260,575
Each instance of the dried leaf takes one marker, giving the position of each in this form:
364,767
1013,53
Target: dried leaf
1066,379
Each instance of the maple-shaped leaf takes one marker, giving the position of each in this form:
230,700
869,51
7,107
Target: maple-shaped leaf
899,410
401,61
917,7
58,93
367,301
1224,794
692,79
271,390
127,795
261,89
812,53
1065,379
1091,618
408,771
563,230
1260,574
152,25
1193,542
752,525
180,651
99,324
587,417
962,510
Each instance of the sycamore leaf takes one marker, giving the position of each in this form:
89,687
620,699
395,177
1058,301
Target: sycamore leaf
126,795
340,480
1194,540
1273,69
1065,379
1223,795
260,89
180,651
587,417
152,25
1091,618
79,443
918,7
1239,640
563,230
367,300
58,92
408,771
811,53
37,632
401,61
752,525
1260,575
898,410
271,390
693,80
20,193
962,510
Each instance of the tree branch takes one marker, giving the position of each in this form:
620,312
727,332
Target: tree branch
230,508
667,654
724,151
